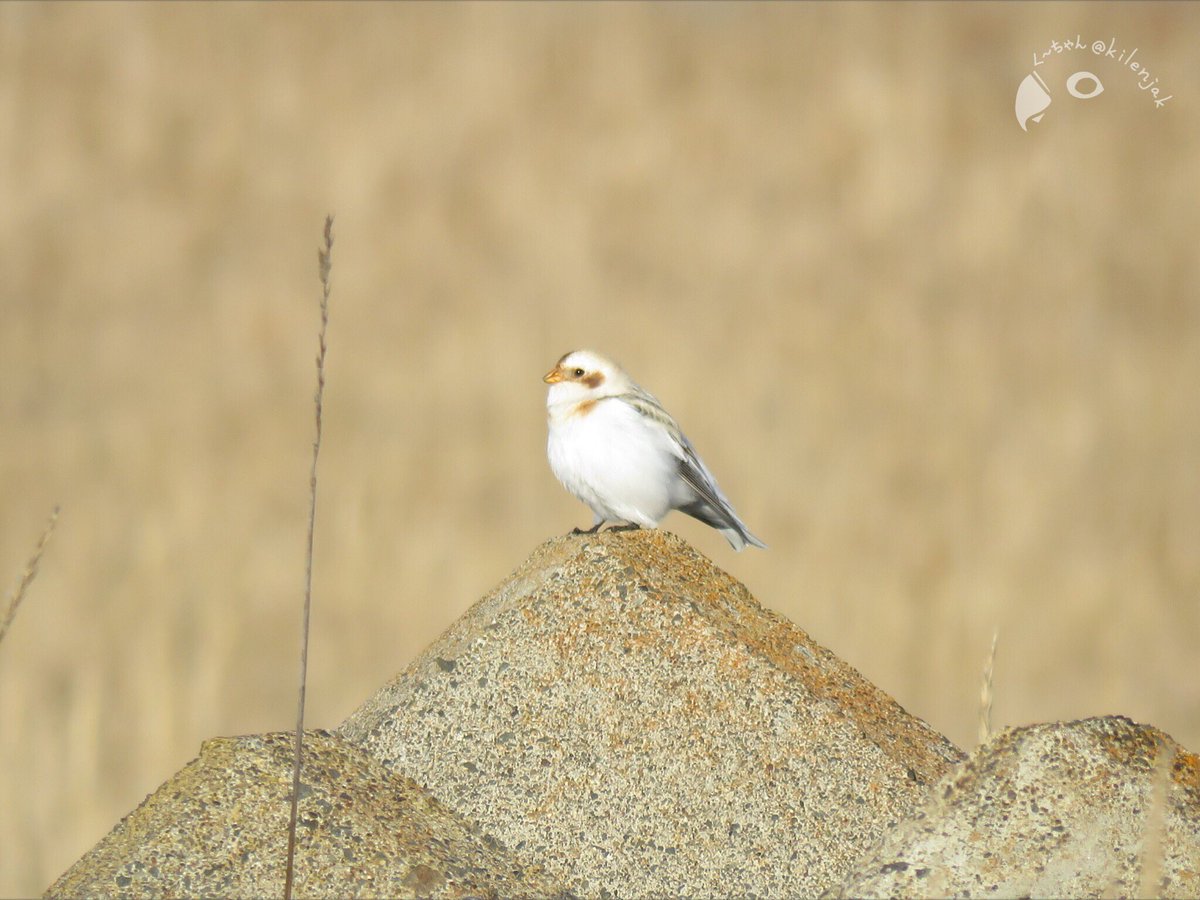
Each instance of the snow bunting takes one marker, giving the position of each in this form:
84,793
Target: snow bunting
614,447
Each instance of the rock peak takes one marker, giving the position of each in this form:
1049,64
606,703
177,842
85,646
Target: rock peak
623,707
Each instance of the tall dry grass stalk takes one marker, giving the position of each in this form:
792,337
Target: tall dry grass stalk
325,263
986,694
1150,859
27,575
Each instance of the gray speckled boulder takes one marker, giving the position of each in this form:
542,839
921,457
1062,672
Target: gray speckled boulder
625,714
1101,807
219,828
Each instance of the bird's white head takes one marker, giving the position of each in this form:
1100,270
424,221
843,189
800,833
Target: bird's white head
582,376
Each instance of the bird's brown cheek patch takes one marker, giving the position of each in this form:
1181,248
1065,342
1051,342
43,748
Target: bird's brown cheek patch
594,380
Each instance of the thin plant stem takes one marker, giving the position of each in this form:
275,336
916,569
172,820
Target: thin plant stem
325,263
27,575
986,695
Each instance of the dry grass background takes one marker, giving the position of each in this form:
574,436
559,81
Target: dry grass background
947,369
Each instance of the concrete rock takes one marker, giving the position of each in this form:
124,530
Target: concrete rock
1100,807
219,828
625,714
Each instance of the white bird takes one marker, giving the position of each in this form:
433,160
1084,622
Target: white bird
614,447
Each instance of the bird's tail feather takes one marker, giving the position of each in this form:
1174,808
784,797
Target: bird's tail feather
724,520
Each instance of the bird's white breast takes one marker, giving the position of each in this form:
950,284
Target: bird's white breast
615,460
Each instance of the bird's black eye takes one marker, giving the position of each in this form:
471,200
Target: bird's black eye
578,373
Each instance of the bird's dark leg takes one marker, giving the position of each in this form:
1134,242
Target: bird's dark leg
591,530
628,526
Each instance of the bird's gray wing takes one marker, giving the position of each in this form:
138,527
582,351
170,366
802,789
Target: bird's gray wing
710,505
696,475
691,468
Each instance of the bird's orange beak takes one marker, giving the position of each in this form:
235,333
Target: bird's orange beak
554,376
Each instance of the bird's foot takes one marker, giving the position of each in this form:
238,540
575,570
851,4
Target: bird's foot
629,526
591,530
